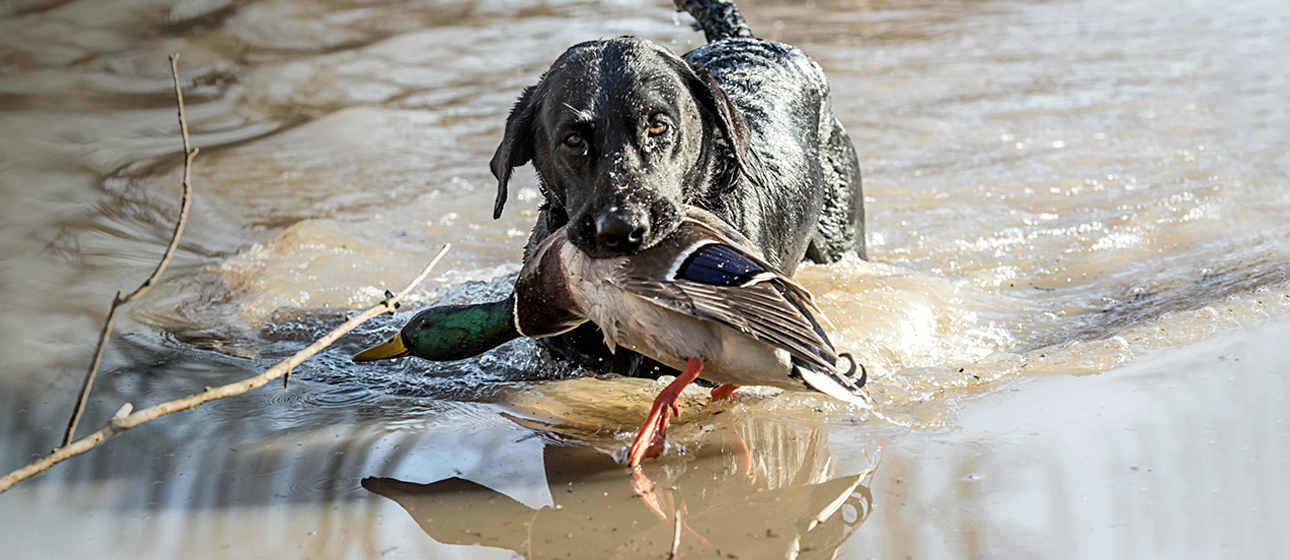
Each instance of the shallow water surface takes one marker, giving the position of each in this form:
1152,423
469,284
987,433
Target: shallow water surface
1073,312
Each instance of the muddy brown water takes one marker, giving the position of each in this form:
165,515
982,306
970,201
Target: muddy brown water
1075,311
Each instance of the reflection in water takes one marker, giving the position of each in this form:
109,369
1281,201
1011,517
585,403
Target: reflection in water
723,503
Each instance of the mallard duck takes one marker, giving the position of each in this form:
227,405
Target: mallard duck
702,301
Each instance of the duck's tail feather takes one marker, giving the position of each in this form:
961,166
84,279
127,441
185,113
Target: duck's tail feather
851,373
842,386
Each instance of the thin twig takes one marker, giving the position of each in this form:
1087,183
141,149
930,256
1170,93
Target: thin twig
123,422
186,202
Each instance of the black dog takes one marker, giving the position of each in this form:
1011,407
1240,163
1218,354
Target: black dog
623,133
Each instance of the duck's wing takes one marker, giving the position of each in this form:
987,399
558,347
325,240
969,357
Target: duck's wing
703,224
719,229
544,304
704,276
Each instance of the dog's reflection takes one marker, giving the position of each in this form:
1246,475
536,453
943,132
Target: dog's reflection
774,502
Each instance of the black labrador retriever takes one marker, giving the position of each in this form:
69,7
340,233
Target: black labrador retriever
623,133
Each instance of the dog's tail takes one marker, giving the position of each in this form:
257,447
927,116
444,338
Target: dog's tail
720,19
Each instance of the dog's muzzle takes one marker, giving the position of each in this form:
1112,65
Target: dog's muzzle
621,231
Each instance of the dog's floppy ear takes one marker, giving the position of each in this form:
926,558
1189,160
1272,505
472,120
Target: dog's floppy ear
516,148
729,121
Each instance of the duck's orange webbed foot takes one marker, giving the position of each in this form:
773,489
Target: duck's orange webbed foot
723,392
653,436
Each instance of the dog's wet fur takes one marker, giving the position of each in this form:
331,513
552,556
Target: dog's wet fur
623,133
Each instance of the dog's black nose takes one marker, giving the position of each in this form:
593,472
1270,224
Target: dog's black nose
622,231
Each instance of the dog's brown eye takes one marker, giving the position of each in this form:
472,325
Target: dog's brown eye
573,141
657,127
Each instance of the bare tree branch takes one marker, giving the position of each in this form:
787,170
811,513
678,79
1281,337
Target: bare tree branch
124,420
186,202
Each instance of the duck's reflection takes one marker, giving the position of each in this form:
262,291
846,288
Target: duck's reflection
772,502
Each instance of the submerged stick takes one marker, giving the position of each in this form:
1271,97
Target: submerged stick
186,202
122,422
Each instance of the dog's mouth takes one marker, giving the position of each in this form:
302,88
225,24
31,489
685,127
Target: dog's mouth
664,219
623,233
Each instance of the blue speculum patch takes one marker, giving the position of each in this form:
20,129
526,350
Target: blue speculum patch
719,265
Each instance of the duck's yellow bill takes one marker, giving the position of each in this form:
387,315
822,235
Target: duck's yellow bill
389,350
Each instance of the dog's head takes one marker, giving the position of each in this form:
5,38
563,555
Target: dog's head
622,133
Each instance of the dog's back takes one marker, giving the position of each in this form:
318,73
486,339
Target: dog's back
812,204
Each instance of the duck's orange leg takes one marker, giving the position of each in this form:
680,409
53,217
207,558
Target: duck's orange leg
654,434
722,392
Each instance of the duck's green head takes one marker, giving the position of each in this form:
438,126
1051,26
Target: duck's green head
450,332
